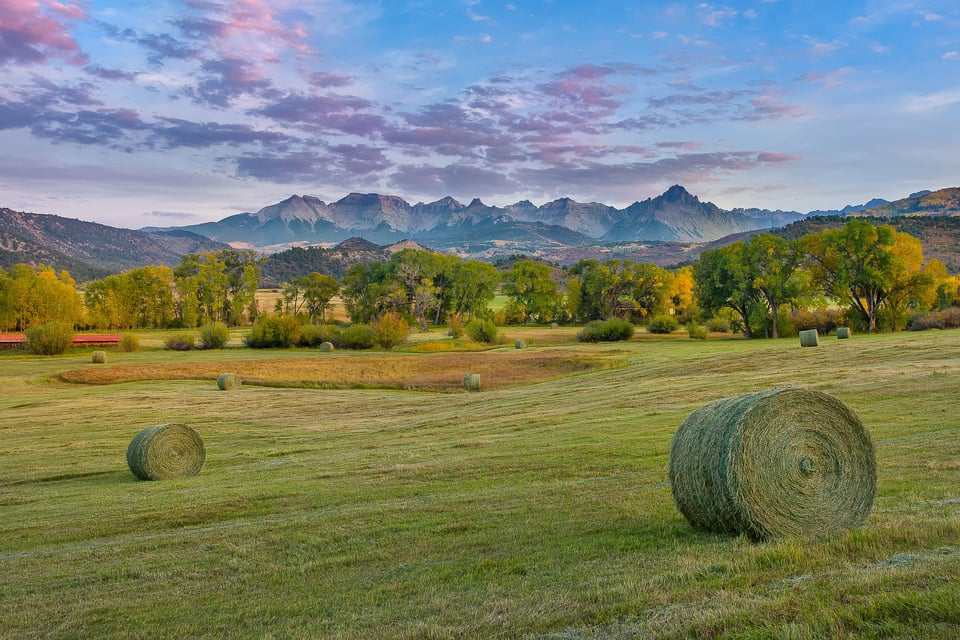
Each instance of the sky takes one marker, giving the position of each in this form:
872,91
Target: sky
175,112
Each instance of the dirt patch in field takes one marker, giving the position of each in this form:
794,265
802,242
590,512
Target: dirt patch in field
435,372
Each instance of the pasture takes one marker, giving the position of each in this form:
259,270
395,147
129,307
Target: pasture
334,504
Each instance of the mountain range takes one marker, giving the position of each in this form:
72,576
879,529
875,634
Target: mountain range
672,228
674,216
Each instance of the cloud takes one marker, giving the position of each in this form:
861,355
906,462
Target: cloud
829,79
282,168
951,55
30,35
455,179
173,133
174,216
932,101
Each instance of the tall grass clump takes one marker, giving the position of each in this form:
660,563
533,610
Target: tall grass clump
663,324
482,330
180,341
612,330
390,330
273,332
213,335
50,339
455,327
696,331
129,342
357,336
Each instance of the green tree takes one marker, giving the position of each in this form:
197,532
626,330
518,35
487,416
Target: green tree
531,287
722,279
318,290
864,265
473,286
772,262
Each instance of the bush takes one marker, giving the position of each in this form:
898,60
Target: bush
182,341
213,335
481,330
663,324
391,330
273,332
357,336
606,331
313,335
696,331
50,339
129,342
455,327
947,319
824,321
718,325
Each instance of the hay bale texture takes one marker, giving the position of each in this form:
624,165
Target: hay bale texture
229,381
326,347
776,463
471,381
166,451
809,338
99,357
519,343
843,333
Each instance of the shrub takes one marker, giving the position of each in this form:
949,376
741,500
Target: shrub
606,331
50,339
273,332
481,330
947,319
182,341
718,325
314,335
391,330
357,336
455,327
696,331
663,324
824,321
129,342
213,335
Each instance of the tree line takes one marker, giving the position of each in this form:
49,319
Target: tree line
875,274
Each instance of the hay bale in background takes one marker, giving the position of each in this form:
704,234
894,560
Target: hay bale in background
99,357
326,347
843,333
471,381
229,381
166,451
809,338
780,462
520,344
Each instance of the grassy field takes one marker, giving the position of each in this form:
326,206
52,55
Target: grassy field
537,508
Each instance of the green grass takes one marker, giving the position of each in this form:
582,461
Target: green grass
537,511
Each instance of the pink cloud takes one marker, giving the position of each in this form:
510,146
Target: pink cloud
29,34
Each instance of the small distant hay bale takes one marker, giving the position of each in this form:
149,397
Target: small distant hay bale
809,338
326,347
166,451
520,343
843,333
99,357
229,382
554,325
776,463
471,381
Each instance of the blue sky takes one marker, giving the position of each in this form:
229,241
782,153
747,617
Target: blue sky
176,112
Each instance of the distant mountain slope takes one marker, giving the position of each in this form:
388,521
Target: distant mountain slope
298,261
89,250
945,202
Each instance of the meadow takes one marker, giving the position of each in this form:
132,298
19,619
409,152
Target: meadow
536,508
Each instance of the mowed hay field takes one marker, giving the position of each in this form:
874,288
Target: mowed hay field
536,508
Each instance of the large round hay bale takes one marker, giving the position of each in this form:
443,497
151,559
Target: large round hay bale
229,381
166,451
326,347
471,381
809,338
520,344
99,357
776,463
843,333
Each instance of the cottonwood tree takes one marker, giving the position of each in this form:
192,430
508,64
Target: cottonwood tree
723,280
532,290
31,297
866,266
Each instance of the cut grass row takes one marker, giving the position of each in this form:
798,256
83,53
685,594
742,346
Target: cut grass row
536,509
